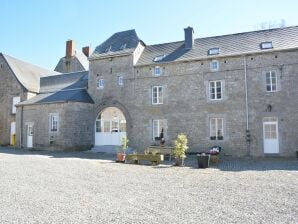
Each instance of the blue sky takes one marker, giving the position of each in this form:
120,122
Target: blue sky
36,30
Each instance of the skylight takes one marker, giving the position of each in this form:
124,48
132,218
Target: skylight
213,51
123,46
108,49
266,45
159,58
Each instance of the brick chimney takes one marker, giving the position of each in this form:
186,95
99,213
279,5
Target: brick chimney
188,35
70,48
86,51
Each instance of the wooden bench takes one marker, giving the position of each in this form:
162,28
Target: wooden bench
164,150
136,158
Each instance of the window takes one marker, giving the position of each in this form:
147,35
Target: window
98,126
54,122
157,127
214,65
216,129
123,46
15,100
159,58
213,51
157,71
120,80
100,83
266,45
215,90
157,95
271,82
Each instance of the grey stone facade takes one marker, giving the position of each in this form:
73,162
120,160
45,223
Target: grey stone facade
186,79
75,129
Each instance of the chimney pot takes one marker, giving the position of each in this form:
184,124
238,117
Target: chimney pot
188,37
70,48
86,51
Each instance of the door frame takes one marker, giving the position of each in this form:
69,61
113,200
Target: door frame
30,135
277,136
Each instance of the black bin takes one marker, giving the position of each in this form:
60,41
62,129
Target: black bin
203,160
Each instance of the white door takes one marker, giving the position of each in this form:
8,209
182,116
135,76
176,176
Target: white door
30,136
270,134
12,132
109,132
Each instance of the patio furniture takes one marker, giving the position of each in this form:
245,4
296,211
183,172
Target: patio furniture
164,150
136,158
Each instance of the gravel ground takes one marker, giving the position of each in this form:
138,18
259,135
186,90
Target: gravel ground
81,187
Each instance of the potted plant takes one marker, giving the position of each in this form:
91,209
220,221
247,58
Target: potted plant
121,151
180,149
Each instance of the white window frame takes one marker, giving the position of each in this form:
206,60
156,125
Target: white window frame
216,97
157,125
266,45
157,71
120,80
213,51
216,122
100,83
15,100
212,67
271,83
54,122
159,94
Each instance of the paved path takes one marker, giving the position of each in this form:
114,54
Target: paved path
80,187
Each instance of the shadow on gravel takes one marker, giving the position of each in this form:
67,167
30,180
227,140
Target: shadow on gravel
58,154
229,164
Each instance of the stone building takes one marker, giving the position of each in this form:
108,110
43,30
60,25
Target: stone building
19,81
73,60
236,91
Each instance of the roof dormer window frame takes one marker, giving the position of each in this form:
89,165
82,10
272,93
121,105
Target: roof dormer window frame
266,45
214,51
159,58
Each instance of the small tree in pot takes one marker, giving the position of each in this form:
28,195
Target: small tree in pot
180,149
122,150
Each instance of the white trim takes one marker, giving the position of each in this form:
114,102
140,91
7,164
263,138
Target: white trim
215,90
217,121
271,84
155,69
15,100
212,68
54,122
159,95
100,83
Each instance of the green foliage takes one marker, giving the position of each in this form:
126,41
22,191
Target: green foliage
180,146
124,143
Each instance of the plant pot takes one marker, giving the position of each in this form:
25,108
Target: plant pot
203,160
120,157
179,162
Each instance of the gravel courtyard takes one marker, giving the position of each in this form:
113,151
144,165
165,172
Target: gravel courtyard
81,187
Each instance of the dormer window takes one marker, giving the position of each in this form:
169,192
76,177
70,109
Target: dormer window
157,71
108,49
159,58
213,51
123,46
266,45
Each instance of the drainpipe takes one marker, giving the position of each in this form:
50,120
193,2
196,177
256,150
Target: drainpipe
21,127
248,139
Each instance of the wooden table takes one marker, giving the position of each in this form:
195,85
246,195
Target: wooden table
165,150
136,158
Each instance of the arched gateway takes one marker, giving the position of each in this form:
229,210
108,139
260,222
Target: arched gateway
110,127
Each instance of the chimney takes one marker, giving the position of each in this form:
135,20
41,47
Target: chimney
188,35
70,48
86,51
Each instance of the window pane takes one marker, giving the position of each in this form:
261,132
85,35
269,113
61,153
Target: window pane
97,126
106,126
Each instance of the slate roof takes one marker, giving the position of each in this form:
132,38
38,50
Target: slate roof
69,87
27,74
233,44
123,42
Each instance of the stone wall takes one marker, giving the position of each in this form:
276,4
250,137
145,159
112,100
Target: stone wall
75,130
9,88
187,108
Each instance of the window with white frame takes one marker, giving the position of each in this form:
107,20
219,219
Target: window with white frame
266,45
271,82
214,65
157,71
157,94
15,100
120,80
54,122
157,127
216,128
100,83
213,51
215,90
